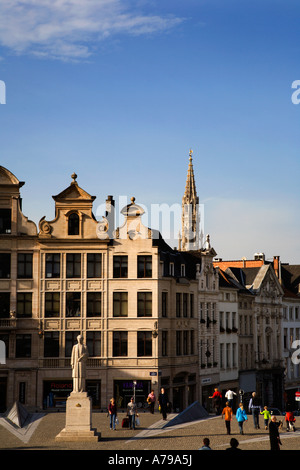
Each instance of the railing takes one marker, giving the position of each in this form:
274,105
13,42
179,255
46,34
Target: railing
56,362
8,323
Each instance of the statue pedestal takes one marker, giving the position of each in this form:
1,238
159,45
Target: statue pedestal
78,419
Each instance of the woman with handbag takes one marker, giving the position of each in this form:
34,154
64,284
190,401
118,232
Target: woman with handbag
112,410
151,401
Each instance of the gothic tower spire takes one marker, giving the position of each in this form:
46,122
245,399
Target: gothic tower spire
190,211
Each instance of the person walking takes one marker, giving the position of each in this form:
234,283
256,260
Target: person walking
229,395
255,408
112,410
163,401
290,421
227,411
132,413
216,400
274,426
241,417
151,401
267,416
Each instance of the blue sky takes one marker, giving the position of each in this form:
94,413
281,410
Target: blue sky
119,91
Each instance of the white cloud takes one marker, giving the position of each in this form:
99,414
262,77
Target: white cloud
70,29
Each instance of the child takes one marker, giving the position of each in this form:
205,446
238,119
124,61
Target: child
267,416
290,420
227,411
241,417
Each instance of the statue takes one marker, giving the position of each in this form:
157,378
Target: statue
78,362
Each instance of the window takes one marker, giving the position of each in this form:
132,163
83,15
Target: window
120,341
73,307
53,265
185,342
164,343
185,305
93,342
120,304
70,341
171,269
178,343
24,304
4,265
192,305
144,266
51,344
5,338
192,340
52,304
178,305
24,265
120,266
94,265
93,304
4,304
23,345
144,343
73,265
5,221
144,304
73,224
164,307
182,270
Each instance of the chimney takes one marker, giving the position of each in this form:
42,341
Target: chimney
277,267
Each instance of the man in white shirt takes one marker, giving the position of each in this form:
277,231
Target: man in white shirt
229,395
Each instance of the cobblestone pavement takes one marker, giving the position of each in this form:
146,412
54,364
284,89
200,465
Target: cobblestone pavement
150,435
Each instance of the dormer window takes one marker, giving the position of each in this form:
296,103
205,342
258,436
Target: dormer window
183,270
73,224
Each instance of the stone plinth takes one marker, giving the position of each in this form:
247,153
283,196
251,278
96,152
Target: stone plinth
78,419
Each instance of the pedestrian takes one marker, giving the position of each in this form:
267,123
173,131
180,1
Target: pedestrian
267,416
290,421
216,401
241,417
206,445
227,411
163,401
255,408
274,433
112,410
233,444
229,395
151,401
132,413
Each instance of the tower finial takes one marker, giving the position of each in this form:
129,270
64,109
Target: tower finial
191,153
74,176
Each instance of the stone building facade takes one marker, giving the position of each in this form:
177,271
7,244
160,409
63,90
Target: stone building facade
132,297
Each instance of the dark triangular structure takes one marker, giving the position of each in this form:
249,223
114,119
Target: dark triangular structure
17,414
192,413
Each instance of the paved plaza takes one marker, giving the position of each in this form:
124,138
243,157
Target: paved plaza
151,435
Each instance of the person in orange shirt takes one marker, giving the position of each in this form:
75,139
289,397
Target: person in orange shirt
227,411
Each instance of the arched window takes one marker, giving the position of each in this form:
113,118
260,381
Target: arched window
73,224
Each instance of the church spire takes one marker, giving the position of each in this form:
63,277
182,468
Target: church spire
190,211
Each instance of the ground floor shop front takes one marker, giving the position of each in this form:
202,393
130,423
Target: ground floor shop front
49,389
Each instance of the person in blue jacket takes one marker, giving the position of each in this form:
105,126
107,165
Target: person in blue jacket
241,417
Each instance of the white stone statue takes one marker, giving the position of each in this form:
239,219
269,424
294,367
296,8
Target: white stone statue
78,362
